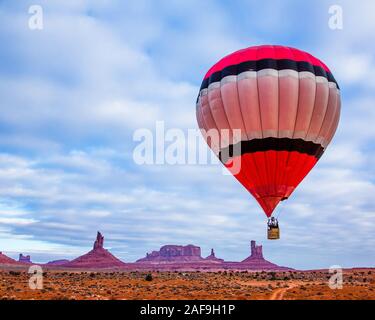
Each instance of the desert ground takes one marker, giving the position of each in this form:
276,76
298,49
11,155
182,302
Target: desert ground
98,285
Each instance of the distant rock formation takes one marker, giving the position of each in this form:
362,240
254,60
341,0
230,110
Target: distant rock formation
6,260
168,258
99,242
256,260
256,252
172,257
24,259
173,253
98,257
213,258
60,262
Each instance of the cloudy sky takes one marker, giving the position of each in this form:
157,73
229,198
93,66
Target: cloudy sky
73,93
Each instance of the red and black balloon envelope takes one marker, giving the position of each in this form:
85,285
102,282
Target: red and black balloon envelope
286,105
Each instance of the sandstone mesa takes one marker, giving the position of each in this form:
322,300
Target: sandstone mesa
167,258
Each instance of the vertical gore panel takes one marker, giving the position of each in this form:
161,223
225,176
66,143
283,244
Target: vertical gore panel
288,102
219,115
207,115
199,116
204,127
210,125
320,107
329,116
335,123
229,96
249,102
268,86
306,101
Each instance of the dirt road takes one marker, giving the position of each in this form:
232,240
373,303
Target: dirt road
278,294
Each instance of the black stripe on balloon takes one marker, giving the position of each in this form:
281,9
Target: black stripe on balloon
271,144
277,64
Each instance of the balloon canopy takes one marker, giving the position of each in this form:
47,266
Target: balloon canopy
284,103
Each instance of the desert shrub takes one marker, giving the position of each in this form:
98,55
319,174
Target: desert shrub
149,277
60,297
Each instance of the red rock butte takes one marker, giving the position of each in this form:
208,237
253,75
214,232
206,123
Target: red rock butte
24,259
6,260
58,262
213,258
173,257
98,257
167,258
256,258
178,254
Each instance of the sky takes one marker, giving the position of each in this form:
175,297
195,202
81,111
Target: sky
73,93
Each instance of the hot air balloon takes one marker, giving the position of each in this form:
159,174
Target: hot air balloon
286,105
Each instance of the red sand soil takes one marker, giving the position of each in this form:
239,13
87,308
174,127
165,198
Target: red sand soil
81,285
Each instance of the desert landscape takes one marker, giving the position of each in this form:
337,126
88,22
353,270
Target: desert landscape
176,272
232,285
